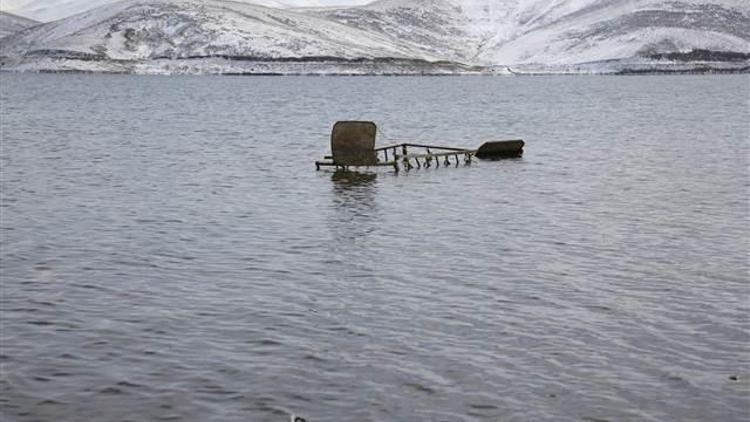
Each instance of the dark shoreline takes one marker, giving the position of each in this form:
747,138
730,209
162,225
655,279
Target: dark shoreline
65,61
626,72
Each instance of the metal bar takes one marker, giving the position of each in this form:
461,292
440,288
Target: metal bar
327,164
389,147
435,147
420,146
435,155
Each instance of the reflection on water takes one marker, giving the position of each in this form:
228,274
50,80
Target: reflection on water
354,205
353,218
348,179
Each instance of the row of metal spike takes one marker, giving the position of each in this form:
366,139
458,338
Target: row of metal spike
428,160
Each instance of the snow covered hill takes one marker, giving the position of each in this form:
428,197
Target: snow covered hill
51,10
557,31
179,29
611,29
10,24
388,36
435,26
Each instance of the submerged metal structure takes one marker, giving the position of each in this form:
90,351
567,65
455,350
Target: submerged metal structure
353,145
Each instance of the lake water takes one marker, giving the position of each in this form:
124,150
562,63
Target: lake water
170,253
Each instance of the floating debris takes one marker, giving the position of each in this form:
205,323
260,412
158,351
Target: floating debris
353,145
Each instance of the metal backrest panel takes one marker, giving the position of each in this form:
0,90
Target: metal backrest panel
353,143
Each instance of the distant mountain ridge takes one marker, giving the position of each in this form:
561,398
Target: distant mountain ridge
414,35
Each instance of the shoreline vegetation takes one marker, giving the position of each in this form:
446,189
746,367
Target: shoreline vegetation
65,61
696,71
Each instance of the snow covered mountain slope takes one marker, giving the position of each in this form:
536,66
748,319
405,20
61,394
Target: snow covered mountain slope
179,29
10,24
51,10
556,31
612,29
487,33
437,26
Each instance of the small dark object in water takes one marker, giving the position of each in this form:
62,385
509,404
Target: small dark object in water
734,378
500,149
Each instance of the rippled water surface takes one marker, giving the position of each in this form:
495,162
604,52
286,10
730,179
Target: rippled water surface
170,253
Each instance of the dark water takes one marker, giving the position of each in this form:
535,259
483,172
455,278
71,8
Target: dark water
170,253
